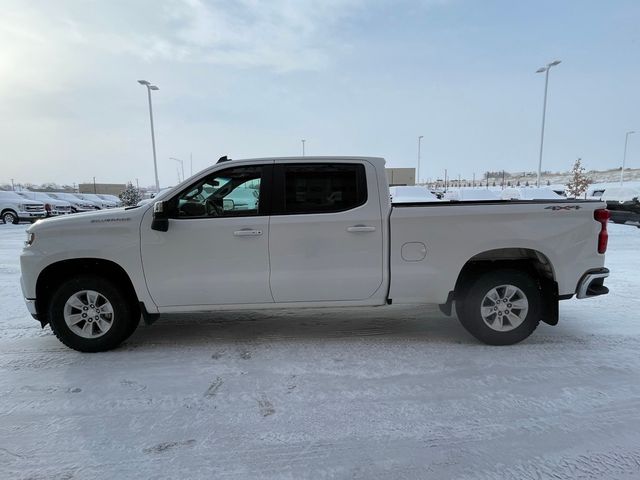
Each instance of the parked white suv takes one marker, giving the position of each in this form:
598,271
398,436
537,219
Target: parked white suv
52,206
14,208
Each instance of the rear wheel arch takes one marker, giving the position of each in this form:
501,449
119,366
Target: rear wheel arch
56,273
533,262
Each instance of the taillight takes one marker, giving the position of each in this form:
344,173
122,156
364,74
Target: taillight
602,215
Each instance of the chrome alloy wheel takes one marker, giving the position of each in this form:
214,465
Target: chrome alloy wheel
504,308
88,314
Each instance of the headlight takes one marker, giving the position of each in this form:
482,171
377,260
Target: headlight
21,207
30,239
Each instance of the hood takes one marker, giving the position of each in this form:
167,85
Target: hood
89,220
13,197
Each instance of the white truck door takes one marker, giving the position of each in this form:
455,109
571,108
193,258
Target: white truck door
325,234
215,251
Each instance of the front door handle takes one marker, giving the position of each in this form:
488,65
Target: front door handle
247,232
361,228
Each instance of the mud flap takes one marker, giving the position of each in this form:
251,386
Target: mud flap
550,301
446,307
149,318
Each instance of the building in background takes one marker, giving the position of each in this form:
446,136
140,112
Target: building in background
401,176
103,188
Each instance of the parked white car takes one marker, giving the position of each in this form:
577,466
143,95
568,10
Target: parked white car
153,196
14,208
77,205
52,206
111,198
100,203
322,233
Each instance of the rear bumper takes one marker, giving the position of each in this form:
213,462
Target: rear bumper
592,283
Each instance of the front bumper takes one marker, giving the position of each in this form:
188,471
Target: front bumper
31,215
31,306
592,283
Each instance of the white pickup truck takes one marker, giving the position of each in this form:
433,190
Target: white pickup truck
305,233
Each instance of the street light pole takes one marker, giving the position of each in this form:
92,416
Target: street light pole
624,157
181,164
303,141
419,142
544,111
153,135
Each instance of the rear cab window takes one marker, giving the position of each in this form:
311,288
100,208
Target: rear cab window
310,188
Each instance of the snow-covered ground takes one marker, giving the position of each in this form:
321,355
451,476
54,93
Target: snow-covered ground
364,394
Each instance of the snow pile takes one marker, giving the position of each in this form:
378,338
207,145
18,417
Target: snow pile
470,194
411,194
397,392
530,194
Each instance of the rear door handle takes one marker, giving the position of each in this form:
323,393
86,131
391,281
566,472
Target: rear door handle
361,228
247,232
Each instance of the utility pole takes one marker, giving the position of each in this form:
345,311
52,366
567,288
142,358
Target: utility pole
153,135
624,158
303,141
419,141
13,187
181,164
544,111
94,186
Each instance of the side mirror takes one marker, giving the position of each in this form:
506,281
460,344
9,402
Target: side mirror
160,217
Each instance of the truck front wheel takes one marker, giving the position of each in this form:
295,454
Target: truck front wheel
501,307
92,314
9,216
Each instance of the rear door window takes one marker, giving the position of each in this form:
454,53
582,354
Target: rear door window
319,188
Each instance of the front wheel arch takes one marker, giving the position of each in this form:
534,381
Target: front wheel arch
53,275
12,212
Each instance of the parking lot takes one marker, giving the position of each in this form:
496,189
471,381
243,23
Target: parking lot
378,393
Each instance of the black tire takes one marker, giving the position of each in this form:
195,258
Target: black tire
126,314
469,307
9,216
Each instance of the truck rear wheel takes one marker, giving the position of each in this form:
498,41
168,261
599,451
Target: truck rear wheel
501,307
92,314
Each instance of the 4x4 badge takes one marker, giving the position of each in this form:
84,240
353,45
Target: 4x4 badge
563,207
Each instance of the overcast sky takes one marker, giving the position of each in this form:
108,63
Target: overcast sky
352,77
